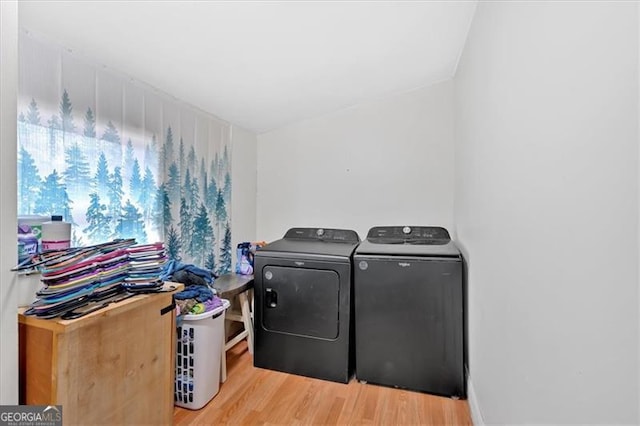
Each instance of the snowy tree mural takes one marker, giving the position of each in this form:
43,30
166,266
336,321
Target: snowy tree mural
116,194
225,251
163,216
53,198
77,172
89,125
83,153
173,244
101,178
130,223
65,113
29,182
98,226
33,115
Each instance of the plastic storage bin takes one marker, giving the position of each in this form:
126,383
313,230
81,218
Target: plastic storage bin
199,347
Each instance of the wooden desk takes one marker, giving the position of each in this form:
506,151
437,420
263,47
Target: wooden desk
113,366
228,286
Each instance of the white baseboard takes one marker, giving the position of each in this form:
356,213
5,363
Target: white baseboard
474,407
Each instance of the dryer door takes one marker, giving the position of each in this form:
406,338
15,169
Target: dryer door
300,301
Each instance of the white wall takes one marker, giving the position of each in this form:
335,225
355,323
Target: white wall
546,210
243,187
388,162
8,206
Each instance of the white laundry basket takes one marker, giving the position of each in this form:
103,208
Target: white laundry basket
199,347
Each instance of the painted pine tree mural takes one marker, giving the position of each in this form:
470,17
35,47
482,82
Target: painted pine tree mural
201,209
181,154
147,193
164,217
221,208
135,183
29,182
130,223
115,195
191,159
101,179
66,116
111,133
173,183
81,159
225,251
167,150
202,235
77,172
185,226
89,125
98,228
53,198
173,244
192,192
185,190
113,145
129,158
212,194
203,177
226,191
210,263
33,114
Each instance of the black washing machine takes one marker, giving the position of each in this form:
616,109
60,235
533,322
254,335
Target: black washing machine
303,303
409,316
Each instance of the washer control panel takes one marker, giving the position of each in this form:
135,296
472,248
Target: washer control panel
408,235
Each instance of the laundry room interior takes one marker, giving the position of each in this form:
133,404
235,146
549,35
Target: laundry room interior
366,212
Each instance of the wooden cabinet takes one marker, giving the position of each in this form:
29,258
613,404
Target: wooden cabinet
114,366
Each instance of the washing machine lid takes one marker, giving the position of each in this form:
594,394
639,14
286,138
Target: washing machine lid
314,241
409,241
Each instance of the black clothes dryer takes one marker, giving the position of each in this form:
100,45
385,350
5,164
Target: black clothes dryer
408,293
303,303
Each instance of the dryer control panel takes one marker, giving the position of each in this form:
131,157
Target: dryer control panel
323,234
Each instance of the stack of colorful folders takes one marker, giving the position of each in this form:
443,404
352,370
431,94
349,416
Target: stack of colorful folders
145,266
76,277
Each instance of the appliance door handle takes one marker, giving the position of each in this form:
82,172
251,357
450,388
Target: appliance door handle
270,298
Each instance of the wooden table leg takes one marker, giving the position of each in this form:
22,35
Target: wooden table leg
246,319
223,357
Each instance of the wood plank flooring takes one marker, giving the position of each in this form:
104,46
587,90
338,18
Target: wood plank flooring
253,396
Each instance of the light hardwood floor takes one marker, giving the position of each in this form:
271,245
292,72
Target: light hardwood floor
253,396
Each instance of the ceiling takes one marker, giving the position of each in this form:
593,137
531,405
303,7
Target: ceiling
263,65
